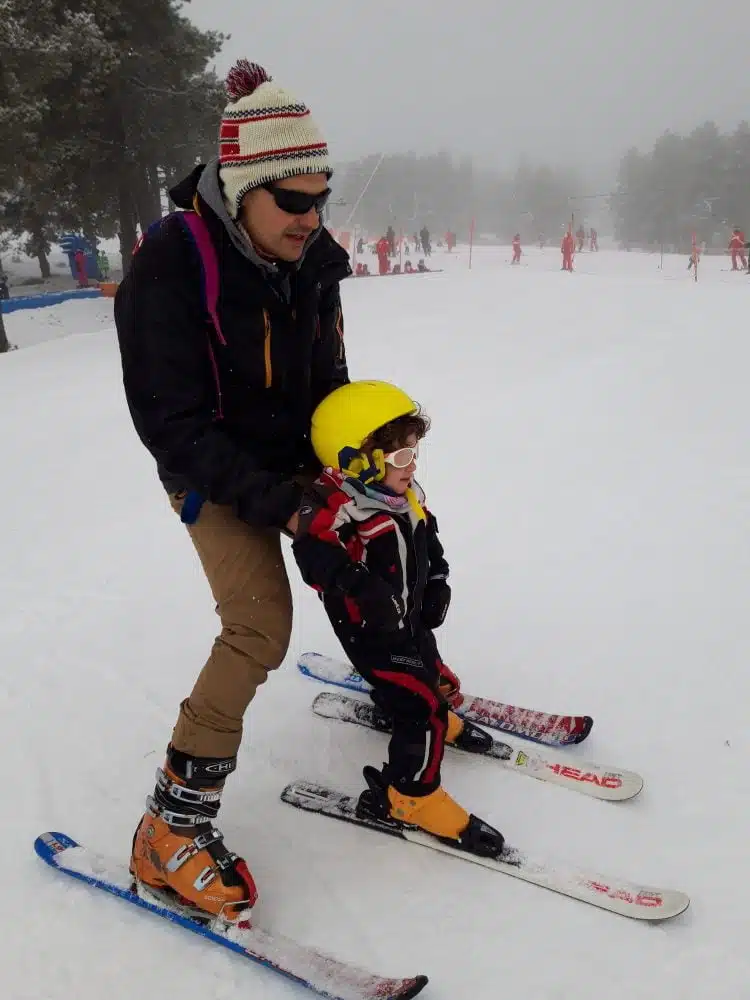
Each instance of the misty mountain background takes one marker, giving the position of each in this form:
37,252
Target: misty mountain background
629,118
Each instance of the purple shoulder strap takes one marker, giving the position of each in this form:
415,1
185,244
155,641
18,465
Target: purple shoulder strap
209,265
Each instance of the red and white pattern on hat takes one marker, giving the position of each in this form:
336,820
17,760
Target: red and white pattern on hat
266,135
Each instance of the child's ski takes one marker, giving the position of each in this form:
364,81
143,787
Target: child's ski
614,894
591,779
540,727
306,966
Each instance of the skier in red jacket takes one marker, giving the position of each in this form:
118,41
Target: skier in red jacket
383,248
81,272
567,246
516,249
737,249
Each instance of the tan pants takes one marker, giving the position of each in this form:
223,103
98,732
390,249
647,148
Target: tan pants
245,570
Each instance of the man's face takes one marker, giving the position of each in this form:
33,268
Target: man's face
278,233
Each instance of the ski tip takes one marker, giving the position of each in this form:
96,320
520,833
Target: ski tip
588,724
674,904
411,988
48,845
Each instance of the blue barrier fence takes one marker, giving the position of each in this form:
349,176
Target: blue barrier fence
47,299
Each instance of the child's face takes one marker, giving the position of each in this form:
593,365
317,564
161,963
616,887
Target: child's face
399,480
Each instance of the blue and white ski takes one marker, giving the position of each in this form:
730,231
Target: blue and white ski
539,727
321,973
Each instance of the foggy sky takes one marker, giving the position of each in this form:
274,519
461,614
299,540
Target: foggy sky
575,81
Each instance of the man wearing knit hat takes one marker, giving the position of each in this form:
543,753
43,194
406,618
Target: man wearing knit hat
230,332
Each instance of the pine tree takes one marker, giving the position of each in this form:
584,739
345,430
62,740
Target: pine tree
99,102
695,183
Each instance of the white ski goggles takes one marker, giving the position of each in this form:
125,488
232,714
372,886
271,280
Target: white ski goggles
402,457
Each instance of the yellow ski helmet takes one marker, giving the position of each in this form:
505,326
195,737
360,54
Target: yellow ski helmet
349,415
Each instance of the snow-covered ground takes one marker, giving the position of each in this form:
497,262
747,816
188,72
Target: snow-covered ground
27,327
589,467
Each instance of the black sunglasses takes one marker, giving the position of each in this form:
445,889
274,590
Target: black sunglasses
298,202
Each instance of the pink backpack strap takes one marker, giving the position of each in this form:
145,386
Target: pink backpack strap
209,262
209,265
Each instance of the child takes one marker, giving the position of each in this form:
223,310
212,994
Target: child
367,543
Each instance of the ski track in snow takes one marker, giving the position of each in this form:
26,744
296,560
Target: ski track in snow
589,468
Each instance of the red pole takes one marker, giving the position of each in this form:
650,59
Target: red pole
471,242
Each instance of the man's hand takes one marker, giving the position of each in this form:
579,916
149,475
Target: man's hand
450,685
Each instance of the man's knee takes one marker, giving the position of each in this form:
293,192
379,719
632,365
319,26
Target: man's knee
260,637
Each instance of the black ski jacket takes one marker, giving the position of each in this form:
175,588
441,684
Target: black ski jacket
230,421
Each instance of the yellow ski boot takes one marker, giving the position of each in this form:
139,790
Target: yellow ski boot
435,813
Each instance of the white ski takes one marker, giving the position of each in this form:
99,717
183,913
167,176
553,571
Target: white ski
596,780
629,899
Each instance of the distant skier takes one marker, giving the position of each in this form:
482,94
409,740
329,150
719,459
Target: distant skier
390,235
103,262
581,237
516,249
424,239
737,249
384,608
82,277
568,249
594,240
383,250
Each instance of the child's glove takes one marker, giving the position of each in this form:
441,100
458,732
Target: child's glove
435,603
450,686
376,599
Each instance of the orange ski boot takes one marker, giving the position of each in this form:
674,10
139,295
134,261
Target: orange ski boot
178,854
434,812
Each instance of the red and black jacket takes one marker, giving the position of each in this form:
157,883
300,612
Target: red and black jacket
341,524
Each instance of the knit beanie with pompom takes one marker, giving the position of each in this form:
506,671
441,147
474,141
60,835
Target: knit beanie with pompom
266,134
